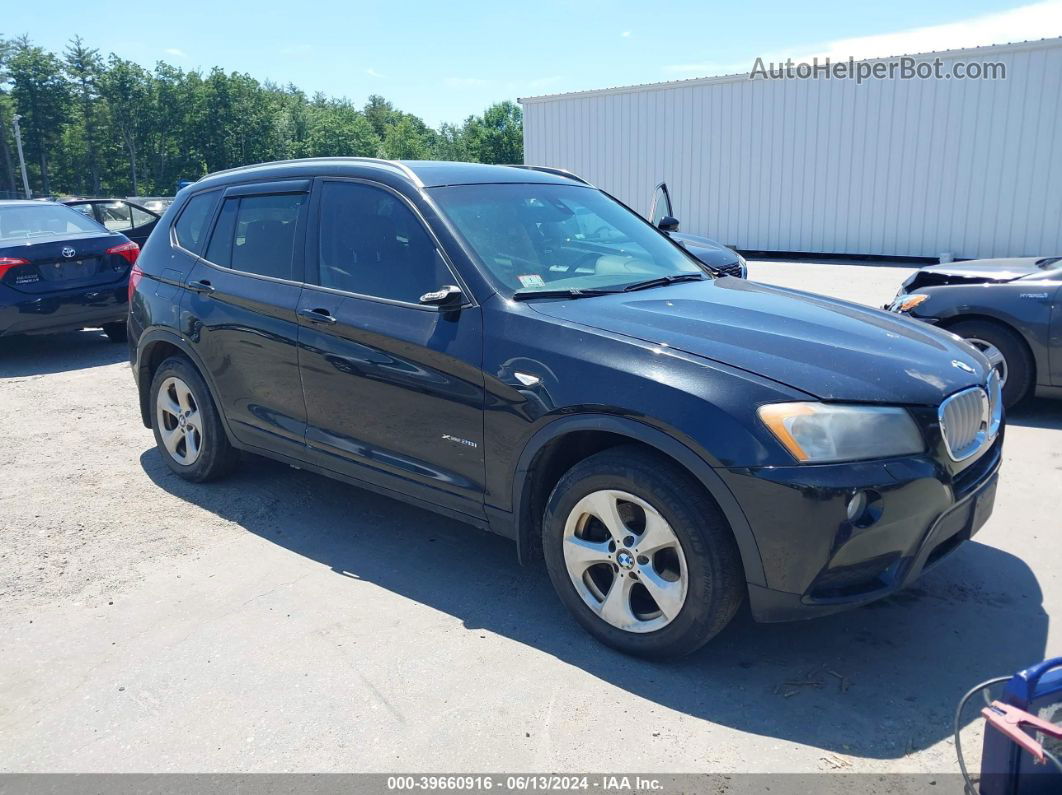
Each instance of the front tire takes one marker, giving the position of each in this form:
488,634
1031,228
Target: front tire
640,554
1007,353
188,430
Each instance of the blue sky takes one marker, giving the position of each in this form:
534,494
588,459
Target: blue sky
444,61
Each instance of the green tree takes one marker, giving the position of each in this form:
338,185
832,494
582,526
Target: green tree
109,126
84,65
450,143
42,98
7,109
381,114
404,141
338,129
498,135
126,88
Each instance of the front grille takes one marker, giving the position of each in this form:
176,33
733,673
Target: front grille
970,419
733,269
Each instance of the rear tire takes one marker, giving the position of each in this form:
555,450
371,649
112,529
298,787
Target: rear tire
116,332
663,543
188,430
1017,363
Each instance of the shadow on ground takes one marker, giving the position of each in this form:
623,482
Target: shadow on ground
58,353
877,682
1037,413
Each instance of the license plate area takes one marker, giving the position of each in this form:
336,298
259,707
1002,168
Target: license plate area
70,270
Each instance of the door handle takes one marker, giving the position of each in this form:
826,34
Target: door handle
318,315
203,287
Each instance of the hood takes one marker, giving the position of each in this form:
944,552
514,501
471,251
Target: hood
977,271
707,251
830,349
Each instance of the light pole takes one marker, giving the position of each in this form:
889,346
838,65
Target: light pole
21,158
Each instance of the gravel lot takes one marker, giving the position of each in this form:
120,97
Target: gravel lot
281,621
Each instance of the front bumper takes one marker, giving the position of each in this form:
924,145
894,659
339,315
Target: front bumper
26,313
816,561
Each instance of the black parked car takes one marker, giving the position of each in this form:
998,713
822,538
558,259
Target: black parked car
61,271
716,256
669,442
119,215
1010,309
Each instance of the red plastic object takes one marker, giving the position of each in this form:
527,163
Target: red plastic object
1011,722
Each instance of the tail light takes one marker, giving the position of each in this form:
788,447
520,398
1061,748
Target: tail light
7,263
135,275
127,251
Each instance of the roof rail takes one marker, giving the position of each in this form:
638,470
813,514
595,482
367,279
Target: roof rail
560,172
395,165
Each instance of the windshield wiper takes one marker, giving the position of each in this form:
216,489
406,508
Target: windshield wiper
571,292
664,281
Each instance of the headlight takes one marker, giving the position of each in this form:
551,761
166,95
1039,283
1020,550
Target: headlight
744,267
905,303
822,432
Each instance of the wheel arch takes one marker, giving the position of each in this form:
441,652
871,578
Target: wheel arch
154,348
953,320
544,454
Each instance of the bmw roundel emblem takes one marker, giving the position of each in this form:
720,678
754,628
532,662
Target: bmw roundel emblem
69,251
962,366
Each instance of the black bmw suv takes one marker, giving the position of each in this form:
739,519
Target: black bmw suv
516,349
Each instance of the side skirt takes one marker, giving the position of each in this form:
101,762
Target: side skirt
299,463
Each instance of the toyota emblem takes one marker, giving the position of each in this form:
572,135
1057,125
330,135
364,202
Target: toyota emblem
69,251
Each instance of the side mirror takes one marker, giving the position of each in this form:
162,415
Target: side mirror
668,224
447,297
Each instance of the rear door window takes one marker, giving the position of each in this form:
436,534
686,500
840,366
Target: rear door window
256,234
191,228
115,216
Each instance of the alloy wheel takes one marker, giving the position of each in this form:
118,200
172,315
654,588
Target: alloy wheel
179,421
625,561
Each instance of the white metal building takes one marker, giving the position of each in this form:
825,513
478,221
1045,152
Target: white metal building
897,167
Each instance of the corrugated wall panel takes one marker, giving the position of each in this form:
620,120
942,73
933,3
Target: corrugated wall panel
891,167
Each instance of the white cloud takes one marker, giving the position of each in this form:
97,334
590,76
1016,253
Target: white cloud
176,52
372,72
1035,21
626,34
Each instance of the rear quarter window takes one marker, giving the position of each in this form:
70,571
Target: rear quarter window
191,226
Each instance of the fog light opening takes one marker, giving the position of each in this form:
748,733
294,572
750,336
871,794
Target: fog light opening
864,508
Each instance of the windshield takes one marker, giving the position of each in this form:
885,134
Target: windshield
559,237
23,221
